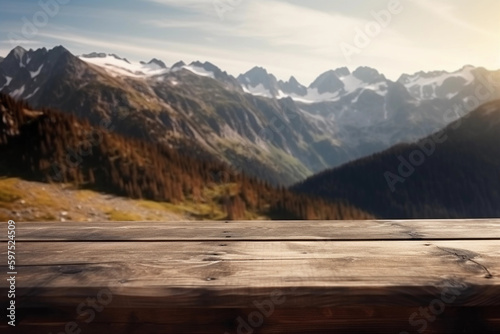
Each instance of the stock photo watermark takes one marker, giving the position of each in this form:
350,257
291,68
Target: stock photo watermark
86,311
364,36
11,272
425,315
408,165
263,310
40,19
222,7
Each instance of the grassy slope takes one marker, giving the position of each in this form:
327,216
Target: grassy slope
34,201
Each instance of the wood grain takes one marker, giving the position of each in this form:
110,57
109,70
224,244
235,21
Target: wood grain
261,230
342,277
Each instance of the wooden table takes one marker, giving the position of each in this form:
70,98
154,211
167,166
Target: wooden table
256,277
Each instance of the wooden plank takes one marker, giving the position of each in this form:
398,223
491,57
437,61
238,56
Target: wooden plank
278,320
234,275
261,231
201,277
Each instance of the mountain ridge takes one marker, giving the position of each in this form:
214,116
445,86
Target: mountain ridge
50,146
198,107
453,173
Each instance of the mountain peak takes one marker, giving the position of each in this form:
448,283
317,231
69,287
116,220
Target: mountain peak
342,72
207,66
293,81
257,70
178,65
60,50
258,75
368,74
259,82
157,62
19,51
328,82
118,57
292,86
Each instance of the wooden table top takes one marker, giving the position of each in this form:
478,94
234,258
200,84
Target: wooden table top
231,265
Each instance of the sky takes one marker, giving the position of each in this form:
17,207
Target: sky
287,37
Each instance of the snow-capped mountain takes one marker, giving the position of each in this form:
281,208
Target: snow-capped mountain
24,73
438,84
208,69
154,61
260,83
116,65
329,86
265,126
292,87
328,82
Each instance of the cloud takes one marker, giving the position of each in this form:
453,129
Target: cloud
207,7
288,37
446,11
271,23
179,23
145,49
303,40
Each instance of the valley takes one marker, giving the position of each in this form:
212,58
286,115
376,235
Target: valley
281,132
278,133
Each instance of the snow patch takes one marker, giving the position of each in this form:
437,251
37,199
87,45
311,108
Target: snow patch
380,88
18,92
9,79
427,86
32,94
351,83
258,90
37,72
122,67
199,71
313,96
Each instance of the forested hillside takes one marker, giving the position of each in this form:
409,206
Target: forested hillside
51,146
454,173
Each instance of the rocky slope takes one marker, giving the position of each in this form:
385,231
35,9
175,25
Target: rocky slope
278,131
454,173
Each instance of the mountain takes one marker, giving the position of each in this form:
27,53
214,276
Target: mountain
372,113
121,66
259,83
329,86
187,108
327,82
292,87
45,145
178,66
155,62
281,132
366,113
212,71
454,173
438,84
